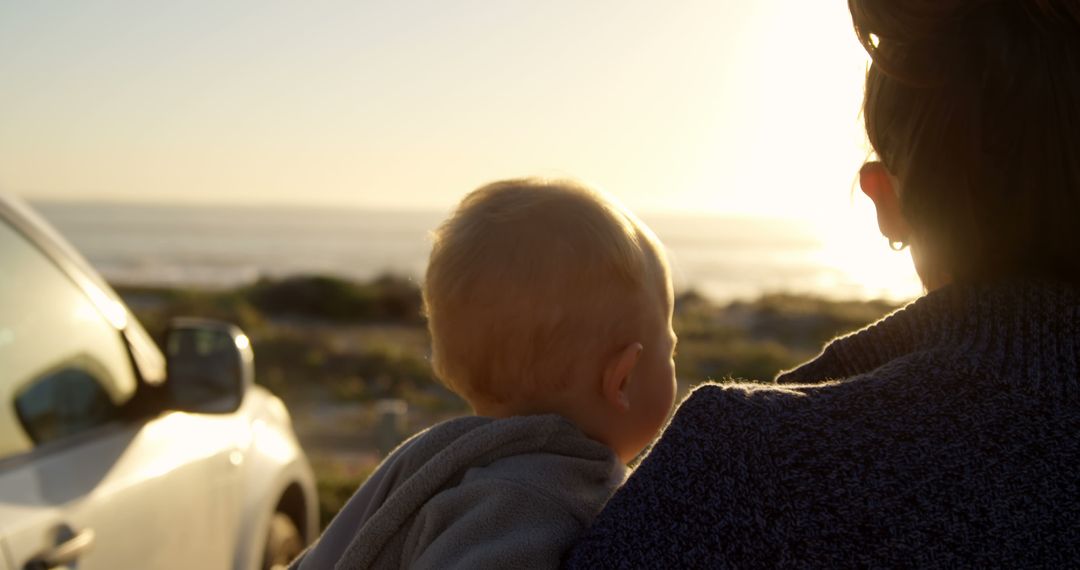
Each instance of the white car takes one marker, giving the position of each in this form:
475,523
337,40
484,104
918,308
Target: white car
113,455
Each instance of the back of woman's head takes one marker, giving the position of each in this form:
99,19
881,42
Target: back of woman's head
975,106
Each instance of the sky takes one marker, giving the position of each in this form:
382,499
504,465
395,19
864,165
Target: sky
729,107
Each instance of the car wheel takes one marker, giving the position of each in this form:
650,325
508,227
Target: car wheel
283,542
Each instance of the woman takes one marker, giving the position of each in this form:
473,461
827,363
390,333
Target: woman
946,434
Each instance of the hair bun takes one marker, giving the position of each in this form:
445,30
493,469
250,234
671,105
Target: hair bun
1058,11
923,41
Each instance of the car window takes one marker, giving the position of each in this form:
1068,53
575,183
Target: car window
64,369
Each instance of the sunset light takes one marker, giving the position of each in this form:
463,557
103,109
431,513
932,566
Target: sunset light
724,107
539,283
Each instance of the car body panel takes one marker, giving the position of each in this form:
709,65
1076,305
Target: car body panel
149,493
272,465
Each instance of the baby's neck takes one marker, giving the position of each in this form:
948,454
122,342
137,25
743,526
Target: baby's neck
506,410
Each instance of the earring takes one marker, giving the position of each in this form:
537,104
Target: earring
898,245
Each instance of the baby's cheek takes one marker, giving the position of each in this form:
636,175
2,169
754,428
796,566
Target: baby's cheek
664,402
672,386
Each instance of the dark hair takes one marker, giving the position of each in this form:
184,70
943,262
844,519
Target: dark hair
975,106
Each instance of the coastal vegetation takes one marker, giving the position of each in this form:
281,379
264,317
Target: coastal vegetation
332,349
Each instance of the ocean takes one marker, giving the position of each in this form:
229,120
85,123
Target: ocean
221,246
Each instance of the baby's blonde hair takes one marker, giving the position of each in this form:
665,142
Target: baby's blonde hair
529,276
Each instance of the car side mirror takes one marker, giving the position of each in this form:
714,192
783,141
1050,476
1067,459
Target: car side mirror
209,365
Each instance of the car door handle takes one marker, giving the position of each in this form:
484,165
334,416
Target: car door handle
65,553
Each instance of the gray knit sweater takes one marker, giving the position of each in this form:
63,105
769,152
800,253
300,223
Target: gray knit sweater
946,435
473,493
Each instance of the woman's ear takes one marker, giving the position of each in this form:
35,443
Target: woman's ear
617,375
875,181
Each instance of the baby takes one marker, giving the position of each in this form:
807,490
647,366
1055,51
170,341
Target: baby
549,308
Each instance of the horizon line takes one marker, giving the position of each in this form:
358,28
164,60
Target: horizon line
403,209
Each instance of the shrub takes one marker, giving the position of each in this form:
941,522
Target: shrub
338,300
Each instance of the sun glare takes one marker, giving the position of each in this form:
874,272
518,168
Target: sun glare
854,246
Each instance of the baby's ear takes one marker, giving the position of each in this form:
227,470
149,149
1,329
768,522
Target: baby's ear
617,375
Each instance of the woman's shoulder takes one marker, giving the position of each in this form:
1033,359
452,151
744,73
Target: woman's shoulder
760,428
713,397
712,406
742,468
782,411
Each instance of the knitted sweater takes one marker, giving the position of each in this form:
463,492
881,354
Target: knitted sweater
473,492
945,435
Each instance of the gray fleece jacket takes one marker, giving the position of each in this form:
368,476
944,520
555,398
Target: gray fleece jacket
473,492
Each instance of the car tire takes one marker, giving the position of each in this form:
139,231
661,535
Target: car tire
283,542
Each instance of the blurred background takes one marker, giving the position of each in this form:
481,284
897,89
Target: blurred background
280,165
